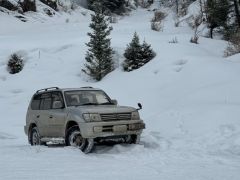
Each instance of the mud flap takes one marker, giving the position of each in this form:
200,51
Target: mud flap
89,145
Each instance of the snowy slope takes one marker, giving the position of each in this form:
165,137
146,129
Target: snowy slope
189,92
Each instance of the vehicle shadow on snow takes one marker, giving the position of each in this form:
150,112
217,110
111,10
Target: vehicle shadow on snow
149,141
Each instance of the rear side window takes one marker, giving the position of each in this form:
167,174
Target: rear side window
45,101
36,102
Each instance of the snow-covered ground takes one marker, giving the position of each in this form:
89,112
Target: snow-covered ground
189,92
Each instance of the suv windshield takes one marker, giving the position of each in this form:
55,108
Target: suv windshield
86,97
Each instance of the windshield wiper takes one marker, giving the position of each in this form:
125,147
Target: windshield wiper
89,104
106,103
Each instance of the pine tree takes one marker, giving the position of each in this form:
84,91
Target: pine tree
132,54
99,55
28,5
136,54
147,53
217,14
114,6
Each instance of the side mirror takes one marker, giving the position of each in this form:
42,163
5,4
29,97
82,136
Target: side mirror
114,101
57,105
139,106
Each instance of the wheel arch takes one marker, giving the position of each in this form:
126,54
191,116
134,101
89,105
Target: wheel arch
70,124
31,126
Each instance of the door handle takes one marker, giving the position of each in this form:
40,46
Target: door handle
50,116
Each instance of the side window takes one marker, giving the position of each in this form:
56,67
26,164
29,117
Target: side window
46,101
56,99
35,105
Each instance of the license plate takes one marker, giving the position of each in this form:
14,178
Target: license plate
120,128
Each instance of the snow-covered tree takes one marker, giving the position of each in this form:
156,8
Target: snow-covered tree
132,54
136,54
50,3
146,53
99,60
28,5
217,13
113,6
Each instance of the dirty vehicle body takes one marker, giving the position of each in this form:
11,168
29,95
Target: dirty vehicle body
80,117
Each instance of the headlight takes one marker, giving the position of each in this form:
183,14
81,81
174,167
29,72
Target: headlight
89,117
135,115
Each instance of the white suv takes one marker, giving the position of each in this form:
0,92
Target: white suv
80,117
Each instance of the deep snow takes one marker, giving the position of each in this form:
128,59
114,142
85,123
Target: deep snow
189,92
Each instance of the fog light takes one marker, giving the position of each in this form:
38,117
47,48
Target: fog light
97,129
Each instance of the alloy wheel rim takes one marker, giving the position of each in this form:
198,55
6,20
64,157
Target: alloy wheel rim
35,138
77,140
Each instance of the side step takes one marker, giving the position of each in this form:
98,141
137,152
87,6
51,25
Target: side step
53,141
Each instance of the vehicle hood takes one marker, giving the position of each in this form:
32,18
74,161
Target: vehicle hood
102,109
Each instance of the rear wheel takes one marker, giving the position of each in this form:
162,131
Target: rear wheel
75,139
34,137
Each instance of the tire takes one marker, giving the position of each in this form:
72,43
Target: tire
34,137
75,139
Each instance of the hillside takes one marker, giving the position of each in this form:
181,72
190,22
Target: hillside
189,92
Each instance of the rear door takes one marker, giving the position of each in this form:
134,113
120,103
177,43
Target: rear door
43,115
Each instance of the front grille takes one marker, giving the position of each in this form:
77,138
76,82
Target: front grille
116,117
107,129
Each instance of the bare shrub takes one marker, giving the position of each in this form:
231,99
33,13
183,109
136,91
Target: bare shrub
176,24
194,39
49,12
174,40
158,16
156,22
156,26
145,3
233,45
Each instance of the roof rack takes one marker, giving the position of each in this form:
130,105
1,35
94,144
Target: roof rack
87,87
46,89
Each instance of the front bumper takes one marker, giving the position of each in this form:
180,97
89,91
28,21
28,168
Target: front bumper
112,128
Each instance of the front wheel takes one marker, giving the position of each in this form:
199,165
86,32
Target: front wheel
75,139
132,139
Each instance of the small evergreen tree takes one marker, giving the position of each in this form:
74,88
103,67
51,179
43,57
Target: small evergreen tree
132,54
146,53
136,54
99,55
15,64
